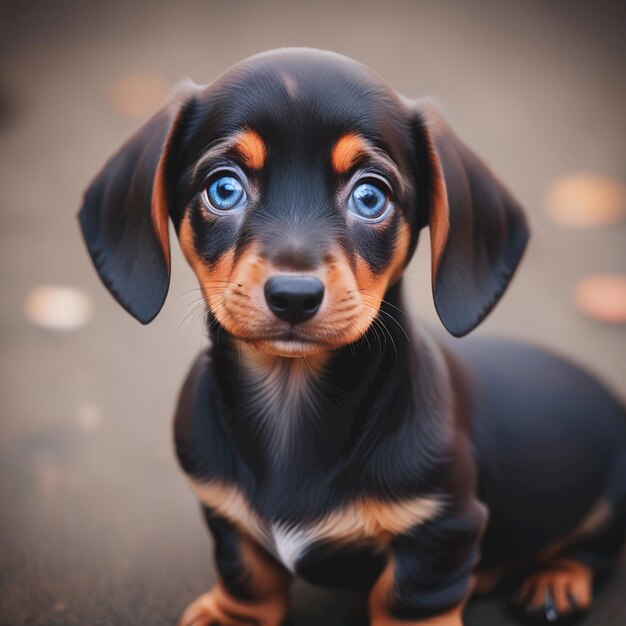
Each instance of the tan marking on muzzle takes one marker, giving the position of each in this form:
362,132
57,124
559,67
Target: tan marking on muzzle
373,286
212,280
234,290
252,271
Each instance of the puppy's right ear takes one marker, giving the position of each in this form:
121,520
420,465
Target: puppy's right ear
478,231
124,215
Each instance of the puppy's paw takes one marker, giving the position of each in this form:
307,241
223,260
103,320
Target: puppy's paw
558,590
218,608
205,611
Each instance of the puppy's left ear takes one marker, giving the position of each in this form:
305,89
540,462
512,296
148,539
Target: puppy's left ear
478,232
124,216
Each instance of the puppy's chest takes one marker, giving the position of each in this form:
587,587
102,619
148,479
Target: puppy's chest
355,529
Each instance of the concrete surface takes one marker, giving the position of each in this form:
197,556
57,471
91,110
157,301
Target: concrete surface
97,526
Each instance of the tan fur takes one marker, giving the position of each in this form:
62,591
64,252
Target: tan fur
234,292
596,518
379,606
375,519
487,581
372,287
213,281
251,148
346,150
269,587
363,519
160,212
563,578
228,502
439,219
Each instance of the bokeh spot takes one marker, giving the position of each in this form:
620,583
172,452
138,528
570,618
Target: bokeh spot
586,200
602,297
134,95
58,307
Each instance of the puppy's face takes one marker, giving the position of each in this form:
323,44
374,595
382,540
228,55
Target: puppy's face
298,183
296,200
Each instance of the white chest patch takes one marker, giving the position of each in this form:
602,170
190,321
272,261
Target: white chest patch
365,519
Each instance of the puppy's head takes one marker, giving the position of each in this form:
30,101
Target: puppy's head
298,183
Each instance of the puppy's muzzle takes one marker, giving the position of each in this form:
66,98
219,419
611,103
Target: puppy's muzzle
294,299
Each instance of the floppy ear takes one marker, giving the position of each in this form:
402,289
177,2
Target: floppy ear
124,215
478,232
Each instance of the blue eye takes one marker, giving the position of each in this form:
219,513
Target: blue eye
225,193
368,201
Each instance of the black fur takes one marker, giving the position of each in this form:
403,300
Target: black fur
395,415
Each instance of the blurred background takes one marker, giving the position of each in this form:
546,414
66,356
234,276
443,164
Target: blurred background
97,525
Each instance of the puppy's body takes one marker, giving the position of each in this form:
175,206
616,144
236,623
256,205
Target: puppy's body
348,470
325,434
551,452
549,476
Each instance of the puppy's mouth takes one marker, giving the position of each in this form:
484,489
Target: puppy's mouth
334,327
290,347
294,341
293,336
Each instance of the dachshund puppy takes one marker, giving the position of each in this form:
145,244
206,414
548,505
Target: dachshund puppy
325,434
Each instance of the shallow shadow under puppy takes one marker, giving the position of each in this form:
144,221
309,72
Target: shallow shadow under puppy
325,434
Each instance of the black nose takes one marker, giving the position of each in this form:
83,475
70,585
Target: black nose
294,299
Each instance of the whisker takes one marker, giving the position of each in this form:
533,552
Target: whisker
371,295
389,314
211,311
199,305
219,283
392,318
386,330
364,337
379,331
381,324
415,281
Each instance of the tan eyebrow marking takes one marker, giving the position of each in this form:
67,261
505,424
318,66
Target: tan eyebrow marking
346,150
252,149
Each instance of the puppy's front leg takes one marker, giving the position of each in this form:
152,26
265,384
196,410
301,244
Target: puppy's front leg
252,588
427,579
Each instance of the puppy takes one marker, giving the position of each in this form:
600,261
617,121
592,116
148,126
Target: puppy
325,433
